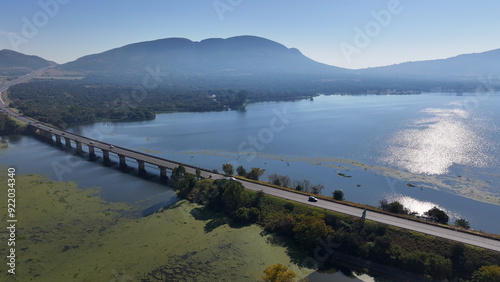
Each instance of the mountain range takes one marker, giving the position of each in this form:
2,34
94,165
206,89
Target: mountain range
236,56
14,63
245,60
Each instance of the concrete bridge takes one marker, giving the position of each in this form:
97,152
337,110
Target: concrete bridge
71,140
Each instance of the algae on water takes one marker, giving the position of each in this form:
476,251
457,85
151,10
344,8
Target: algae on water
65,233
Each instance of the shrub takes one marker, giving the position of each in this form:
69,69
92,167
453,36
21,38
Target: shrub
437,215
241,171
338,195
462,223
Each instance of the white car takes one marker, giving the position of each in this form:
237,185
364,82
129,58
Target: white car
232,179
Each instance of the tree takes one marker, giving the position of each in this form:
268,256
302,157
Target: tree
397,207
274,179
247,215
437,215
198,174
280,180
304,185
338,195
241,171
382,204
228,169
178,174
255,173
394,207
458,258
7,125
438,266
310,227
316,189
278,273
234,196
462,223
490,273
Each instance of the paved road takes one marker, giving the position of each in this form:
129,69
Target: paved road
345,209
458,236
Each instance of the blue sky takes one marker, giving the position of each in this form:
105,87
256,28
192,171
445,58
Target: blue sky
345,33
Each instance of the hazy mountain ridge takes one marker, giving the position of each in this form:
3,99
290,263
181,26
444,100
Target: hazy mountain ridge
13,63
461,66
241,55
258,64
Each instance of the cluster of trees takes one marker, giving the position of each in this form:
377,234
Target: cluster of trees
311,227
254,174
434,214
280,180
393,207
68,102
221,195
8,125
299,185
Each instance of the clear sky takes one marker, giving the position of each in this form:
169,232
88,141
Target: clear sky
345,33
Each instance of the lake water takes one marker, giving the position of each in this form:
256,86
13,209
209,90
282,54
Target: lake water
424,150
433,149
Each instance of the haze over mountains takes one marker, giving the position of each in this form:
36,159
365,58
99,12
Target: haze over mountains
462,66
249,60
242,55
13,63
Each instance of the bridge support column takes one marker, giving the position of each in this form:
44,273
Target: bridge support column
91,152
45,135
79,149
123,162
68,142
58,140
105,156
163,174
142,168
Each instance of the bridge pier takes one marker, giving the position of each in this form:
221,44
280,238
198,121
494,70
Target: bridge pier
79,149
105,156
45,135
163,174
123,162
68,142
58,140
142,168
91,152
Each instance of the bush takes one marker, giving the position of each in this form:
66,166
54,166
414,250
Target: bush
247,215
308,228
462,223
437,215
394,207
338,195
241,171
280,223
490,273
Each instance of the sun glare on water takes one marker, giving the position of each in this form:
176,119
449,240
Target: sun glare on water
440,139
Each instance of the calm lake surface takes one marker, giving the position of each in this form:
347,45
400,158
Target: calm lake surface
424,150
433,149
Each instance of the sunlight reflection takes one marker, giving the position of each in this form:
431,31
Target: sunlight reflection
431,145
